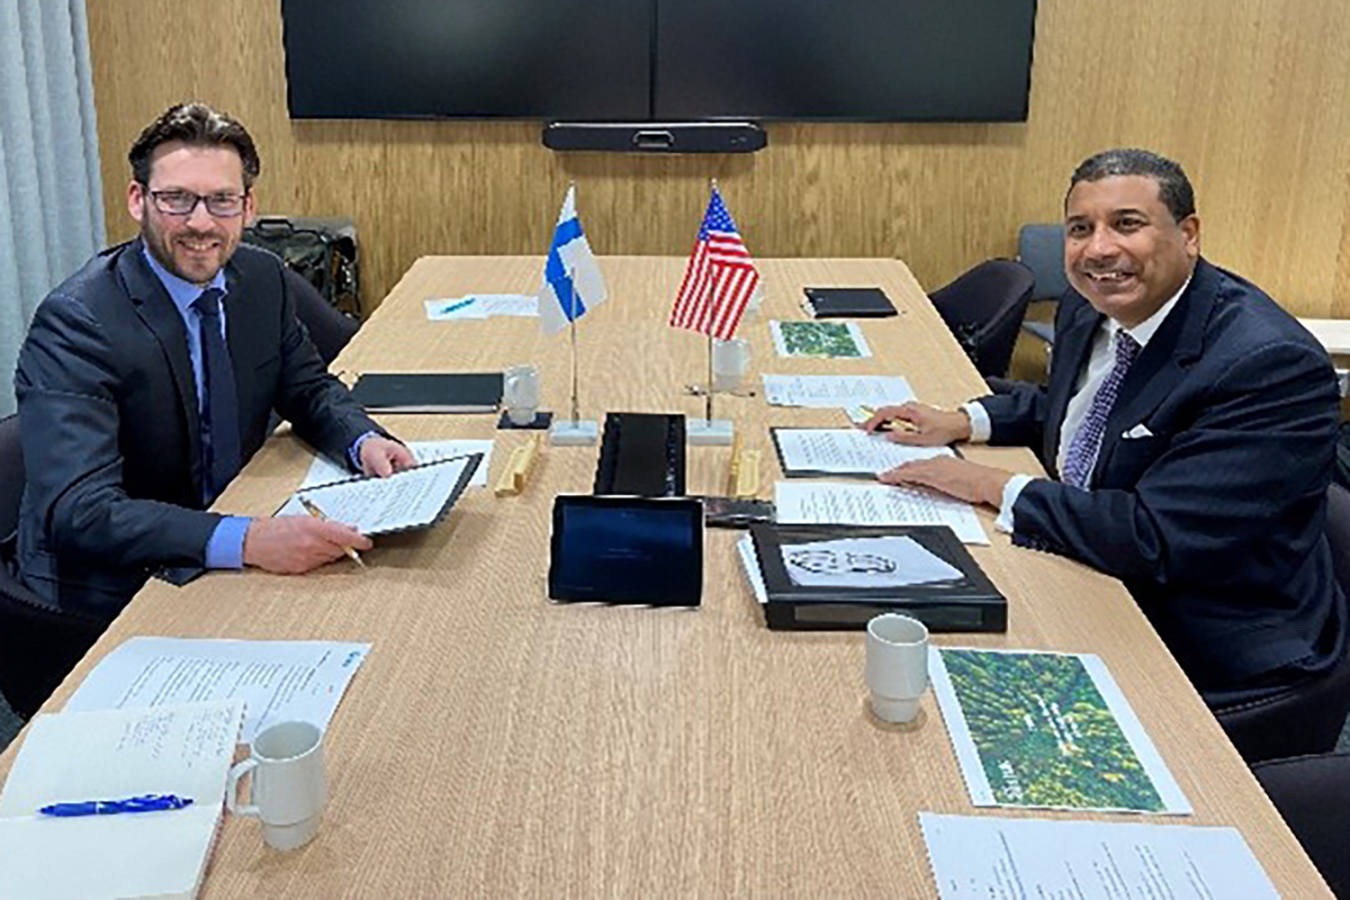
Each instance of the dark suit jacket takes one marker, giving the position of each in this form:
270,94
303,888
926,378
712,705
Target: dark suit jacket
1214,521
108,407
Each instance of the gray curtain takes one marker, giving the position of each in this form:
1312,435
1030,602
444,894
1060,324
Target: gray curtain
51,201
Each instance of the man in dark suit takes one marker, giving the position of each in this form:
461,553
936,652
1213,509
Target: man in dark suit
1189,425
146,382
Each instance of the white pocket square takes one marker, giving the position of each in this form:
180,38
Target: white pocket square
1138,431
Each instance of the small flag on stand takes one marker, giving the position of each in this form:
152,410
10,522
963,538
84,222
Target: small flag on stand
720,280
572,280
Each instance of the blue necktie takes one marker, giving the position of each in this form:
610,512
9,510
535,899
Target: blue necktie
220,401
1087,442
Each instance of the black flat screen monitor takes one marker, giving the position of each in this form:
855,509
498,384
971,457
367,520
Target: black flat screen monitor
515,59
627,550
862,60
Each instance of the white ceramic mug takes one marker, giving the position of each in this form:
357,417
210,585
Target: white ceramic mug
730,362
520,392
289,784
897,666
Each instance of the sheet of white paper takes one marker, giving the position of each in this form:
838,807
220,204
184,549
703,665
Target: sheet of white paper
826,391
183,749
832,503
408,499
982,793
481,306
324,471
836,350
845,451
871,562
745,548
278,680
994,858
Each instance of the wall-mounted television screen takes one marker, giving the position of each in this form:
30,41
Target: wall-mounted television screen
660,60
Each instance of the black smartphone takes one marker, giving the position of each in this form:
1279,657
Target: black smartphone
735,512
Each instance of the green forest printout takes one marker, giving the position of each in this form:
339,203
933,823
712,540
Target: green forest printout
831,340
1048,730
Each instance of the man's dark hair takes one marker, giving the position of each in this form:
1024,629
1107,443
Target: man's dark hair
1174,188
196,125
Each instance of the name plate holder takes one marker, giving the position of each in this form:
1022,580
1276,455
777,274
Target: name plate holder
518,468
743,473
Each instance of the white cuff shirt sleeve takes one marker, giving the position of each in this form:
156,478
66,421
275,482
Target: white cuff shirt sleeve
980,427
1011,491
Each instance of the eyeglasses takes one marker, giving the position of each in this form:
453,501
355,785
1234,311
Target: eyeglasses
182,203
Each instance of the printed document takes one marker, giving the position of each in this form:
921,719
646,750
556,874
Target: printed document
413,498
832,503
993,858
70,757
278,680
481,306
841,391
324,471
1048,730
844,451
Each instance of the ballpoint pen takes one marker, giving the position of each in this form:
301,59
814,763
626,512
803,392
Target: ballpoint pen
317,513
144,803
451,307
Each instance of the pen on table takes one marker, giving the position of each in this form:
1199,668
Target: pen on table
317,513
144,803
888,424
451,307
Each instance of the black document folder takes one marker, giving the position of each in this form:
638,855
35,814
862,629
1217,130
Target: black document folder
431,392
642,454
848,303
968,603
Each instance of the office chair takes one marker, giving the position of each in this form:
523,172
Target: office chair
1041,249
984,308
328,328
1308,716
1312,793
38,645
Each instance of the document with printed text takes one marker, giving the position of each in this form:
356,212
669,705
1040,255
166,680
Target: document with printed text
278,680
407,500
843,451
324,471
836,391
832,503
993,858
481,306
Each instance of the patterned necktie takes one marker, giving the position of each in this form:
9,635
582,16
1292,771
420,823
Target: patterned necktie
1082,455
220,401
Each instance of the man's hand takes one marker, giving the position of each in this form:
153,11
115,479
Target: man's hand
289,545
960,478
383,457
920,425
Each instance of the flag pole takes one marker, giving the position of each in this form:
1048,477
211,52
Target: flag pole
708,398
572,320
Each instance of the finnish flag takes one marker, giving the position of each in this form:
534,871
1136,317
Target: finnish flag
572,280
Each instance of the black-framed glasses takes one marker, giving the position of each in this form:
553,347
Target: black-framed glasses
182,203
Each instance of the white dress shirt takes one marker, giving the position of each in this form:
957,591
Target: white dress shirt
1100,363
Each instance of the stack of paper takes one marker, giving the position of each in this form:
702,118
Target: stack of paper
69,757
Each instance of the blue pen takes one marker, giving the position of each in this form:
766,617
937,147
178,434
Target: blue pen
144,803
451,307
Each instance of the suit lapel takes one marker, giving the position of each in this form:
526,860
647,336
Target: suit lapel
1161,365
1072,347
161,317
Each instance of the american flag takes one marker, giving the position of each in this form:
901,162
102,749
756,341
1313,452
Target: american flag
720,279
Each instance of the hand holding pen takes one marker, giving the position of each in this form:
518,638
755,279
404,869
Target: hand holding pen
312,508
919,425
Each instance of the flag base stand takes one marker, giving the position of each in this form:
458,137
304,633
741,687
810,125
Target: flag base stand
714,432
566,433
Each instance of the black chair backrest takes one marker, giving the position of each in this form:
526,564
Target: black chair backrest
11,475
984,310
328,328
1338,533
1041,249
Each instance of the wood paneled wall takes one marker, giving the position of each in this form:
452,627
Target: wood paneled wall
1250,95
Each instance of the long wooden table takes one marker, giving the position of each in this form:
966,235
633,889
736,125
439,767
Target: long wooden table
494,743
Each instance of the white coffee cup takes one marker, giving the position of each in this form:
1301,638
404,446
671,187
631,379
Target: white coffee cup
730,362
520,392
897,666
289,784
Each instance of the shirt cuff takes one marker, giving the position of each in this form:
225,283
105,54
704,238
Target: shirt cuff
980,427
1011,491
225,548
354,451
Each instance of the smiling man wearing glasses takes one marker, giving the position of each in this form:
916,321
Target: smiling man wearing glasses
147,380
